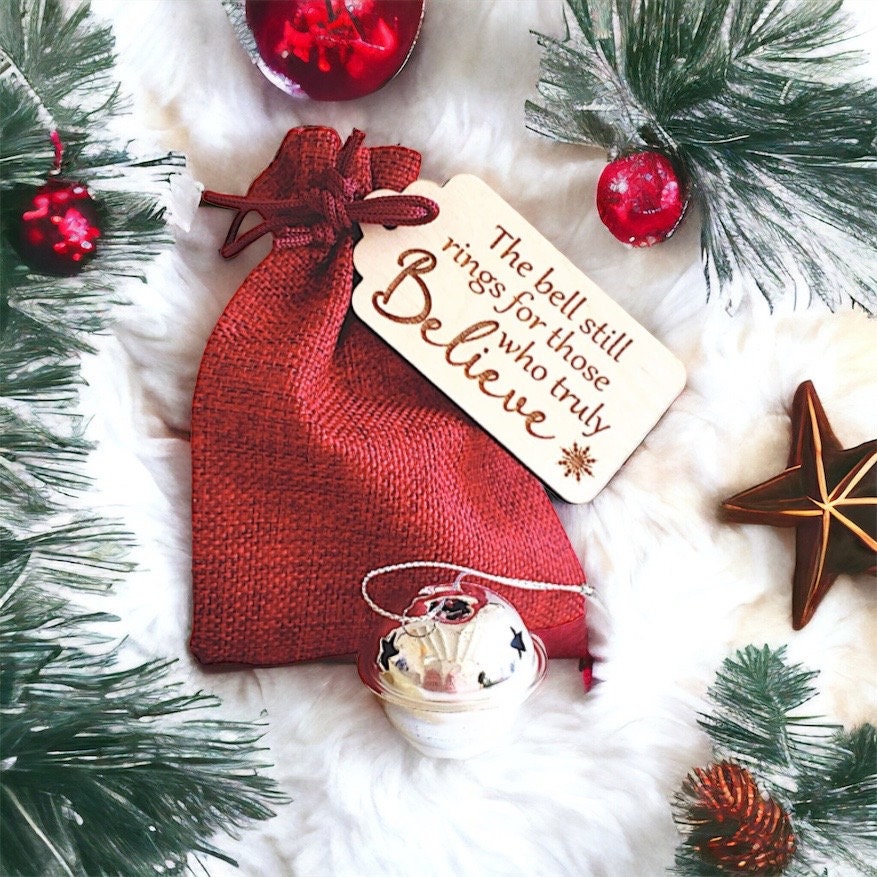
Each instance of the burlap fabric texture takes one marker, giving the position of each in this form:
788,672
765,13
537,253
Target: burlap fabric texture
319,454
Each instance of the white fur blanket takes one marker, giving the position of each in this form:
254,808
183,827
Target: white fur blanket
584,786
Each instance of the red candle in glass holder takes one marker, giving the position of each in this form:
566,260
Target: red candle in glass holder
333,50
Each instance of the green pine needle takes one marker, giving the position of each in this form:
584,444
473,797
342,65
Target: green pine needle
70,88
838,809
778,143
107,770
83,553
823,776
35,456
756,695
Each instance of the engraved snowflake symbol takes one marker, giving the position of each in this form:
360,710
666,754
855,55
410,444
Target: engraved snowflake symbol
576,460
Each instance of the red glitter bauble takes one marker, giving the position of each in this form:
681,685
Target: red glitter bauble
640,198
332,49
58,228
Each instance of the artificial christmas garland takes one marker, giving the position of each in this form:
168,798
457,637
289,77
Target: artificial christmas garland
102,769
761,126
788,793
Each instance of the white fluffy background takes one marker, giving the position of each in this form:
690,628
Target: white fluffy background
583,788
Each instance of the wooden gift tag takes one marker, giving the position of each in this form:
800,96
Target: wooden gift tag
499,320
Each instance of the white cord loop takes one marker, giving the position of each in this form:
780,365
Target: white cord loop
463,571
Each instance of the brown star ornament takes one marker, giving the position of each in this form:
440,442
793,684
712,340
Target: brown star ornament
829,494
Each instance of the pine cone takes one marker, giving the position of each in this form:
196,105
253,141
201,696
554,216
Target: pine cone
734,826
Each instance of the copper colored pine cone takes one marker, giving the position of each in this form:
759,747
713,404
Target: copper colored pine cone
734,826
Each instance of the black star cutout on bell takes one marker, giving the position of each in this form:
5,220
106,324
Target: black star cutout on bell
388,650
450,608
829,494
517,642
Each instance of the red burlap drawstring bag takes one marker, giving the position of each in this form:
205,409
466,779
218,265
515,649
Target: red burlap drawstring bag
319,454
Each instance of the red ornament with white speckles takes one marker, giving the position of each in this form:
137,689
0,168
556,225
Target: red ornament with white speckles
58,228
333,50
641,199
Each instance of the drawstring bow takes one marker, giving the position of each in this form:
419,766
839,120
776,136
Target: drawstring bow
317,215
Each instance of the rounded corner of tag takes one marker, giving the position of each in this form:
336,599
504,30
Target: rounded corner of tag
469,183
680,378
573,496
574,492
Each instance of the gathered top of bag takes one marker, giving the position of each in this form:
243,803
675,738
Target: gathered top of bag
327,197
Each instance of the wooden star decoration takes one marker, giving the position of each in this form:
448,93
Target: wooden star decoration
829,494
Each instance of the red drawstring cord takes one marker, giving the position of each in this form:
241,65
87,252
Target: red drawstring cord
330,204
